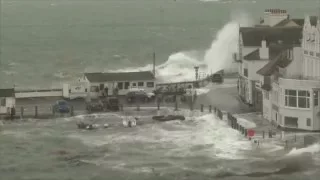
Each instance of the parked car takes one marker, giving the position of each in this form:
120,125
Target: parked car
61,106
138,95
94,105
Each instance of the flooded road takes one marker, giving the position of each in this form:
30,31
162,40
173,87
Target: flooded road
201,147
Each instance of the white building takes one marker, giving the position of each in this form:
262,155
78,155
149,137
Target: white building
257,46
7,100
278,18
99,83
292,100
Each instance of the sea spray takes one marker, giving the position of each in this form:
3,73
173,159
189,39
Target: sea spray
180,65
219,56
315,148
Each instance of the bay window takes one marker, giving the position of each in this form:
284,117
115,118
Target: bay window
316,98
290,98
303,99
297,98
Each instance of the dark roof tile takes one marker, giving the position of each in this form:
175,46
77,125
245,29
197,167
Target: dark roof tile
120,76
274,51
284,22
252,36
300,22
7,93
281,60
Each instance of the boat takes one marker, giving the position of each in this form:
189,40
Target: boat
168,118
83,125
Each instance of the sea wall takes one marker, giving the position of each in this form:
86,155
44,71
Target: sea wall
38,93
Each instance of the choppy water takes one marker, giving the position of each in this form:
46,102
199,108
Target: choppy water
49,41
201,147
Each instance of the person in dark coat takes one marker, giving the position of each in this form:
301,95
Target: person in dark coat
106,90
13,112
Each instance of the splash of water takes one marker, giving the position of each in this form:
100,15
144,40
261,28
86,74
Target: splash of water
180,66
219,56
315,148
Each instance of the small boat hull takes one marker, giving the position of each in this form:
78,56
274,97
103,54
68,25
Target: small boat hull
168,118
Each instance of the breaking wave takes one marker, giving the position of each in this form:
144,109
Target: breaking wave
180,65
315,148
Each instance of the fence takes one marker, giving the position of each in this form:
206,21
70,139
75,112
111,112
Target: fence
289,142
41,112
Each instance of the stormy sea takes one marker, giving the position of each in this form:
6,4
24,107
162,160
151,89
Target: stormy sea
44,43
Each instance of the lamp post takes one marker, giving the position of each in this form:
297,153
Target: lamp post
196,68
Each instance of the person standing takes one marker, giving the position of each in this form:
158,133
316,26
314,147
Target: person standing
13,112
106,90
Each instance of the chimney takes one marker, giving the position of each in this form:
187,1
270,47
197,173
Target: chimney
154,64
264,50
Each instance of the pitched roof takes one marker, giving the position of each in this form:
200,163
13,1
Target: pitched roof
252,36
281,60
120,76
274,51
300,22
284,22
7,92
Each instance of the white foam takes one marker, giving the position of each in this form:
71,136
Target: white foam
182,137
246,123
180,65
315,148
202,91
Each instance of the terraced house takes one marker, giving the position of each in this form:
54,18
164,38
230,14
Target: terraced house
260,44
291,96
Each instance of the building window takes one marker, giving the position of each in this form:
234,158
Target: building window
318,55
294,98
305,52
308,122
303,99
291,121
150,84
126,85
134,84
245,72
120,85
316,98
311,53
3,102
290,98
140,84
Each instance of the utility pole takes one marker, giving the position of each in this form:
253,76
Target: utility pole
154,64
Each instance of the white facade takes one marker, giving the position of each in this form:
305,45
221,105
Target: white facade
6,103
75,90
295,95
274,16
301,104
311,49
123,87
248,69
